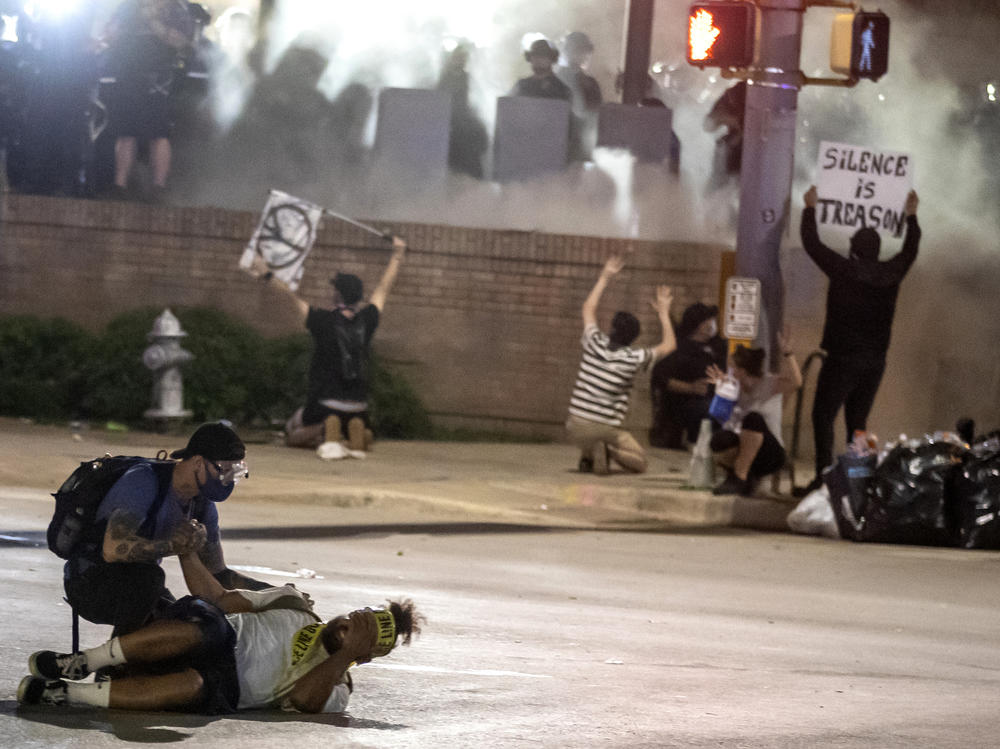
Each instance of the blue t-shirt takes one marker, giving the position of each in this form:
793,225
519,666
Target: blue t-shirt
136,493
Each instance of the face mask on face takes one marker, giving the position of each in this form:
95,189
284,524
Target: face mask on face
214,490
713,329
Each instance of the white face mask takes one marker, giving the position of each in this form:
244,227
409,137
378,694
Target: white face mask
713,329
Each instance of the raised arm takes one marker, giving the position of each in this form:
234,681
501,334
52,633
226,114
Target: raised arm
789,374
612,267
828,261
260,271
898,265
389,275
664,298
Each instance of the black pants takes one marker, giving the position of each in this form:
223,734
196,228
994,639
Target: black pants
851,382
675,416
769,459
121,594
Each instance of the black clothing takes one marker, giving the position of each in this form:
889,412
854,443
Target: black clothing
96,593
331,376
860,306
848,381
769,458
675,413
544,87
861,299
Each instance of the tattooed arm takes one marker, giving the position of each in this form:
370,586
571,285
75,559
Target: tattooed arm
122,542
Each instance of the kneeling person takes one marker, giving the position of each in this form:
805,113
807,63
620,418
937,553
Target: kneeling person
222,650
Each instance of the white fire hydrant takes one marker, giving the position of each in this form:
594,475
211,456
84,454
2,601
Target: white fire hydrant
165,356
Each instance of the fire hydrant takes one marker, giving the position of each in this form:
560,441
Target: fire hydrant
165,356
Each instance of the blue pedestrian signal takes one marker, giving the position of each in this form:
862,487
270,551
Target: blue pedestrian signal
859,45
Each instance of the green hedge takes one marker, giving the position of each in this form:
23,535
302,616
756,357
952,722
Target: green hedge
52,369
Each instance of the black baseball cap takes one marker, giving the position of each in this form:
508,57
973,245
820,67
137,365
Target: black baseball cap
214,441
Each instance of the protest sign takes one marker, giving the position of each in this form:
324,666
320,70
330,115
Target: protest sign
862,187
284,236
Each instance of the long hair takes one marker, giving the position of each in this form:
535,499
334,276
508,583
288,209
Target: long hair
408,619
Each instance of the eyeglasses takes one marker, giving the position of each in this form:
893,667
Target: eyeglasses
231,471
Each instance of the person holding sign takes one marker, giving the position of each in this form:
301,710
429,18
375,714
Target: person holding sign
604,380
337,397
860,306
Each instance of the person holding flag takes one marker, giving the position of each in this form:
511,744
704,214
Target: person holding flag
337,396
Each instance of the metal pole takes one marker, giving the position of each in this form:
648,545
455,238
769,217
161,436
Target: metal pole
638,38
768,157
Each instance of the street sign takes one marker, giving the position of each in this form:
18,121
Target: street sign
742,311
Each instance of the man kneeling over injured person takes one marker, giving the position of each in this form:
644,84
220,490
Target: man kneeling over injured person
219,650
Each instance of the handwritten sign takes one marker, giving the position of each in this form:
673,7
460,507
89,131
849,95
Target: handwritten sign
862,187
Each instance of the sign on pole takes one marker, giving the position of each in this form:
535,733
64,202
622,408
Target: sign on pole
284,236
861,187
742,313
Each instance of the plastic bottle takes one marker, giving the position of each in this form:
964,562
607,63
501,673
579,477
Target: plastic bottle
727,392
702,471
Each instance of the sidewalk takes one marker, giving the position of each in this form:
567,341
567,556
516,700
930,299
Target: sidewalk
526,484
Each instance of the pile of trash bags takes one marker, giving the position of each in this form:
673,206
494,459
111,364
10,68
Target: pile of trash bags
938,491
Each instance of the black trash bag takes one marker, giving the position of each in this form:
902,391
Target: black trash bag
910,497
977,498
848,482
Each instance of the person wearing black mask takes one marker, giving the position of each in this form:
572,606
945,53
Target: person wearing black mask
153,511
681,392
860,306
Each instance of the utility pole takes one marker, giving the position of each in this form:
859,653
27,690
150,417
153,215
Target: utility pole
768,157
638,38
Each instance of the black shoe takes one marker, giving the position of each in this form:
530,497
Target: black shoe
586,465
51,665
734,485
801,491
35,691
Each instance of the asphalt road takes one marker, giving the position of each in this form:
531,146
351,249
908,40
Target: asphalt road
555,637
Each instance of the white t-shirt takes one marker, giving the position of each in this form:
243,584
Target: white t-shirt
766,400
274,649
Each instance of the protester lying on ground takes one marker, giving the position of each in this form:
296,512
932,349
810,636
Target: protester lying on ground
749,445
218,651
604,380
681,392
117,579
337,398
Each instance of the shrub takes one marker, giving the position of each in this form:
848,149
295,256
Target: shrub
41,367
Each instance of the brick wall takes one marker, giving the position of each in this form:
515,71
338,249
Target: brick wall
485,324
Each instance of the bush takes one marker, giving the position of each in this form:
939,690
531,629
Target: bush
51,369
42,365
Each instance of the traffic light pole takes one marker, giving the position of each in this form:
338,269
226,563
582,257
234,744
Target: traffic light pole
768,158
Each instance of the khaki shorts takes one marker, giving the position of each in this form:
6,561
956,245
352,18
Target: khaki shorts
585,434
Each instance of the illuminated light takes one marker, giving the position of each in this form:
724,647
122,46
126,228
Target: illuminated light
702,33
721,33
9,29
991,92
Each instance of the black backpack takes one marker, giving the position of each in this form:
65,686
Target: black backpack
349,334
73,524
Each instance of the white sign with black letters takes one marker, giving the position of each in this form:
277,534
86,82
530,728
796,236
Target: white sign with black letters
862,187
742,313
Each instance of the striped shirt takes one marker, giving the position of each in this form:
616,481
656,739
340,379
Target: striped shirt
604,380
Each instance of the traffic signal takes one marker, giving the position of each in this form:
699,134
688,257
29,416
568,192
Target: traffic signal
721,34
859,45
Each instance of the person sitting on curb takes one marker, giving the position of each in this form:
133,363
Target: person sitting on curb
218,651
604,380
337,397
681,393
749,444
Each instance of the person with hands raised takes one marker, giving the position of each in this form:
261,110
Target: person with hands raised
604,379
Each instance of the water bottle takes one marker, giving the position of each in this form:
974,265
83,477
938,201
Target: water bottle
727,392
702,471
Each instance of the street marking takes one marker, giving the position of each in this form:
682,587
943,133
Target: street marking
302,574
469,671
